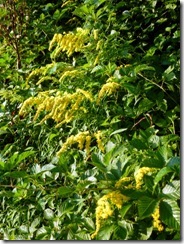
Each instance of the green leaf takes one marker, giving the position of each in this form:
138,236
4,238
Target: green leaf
170,214
82,235
70,235
34,224
129,227
41,232
153,141
48,214
163,154
174,162
145,230
105,232
119,233
118,131
124,209
17,158
56,14
139,144
172,190
97,161
23,229
142,67
89,223
2,165
16,174
149,182
164,171
146,206
144,106
64,190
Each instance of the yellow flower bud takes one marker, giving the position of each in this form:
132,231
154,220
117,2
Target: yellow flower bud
98,136
95,33
156,220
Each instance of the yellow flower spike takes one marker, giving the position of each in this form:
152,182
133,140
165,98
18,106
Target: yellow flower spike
104,209
57,51
98,136
80,139
39,110
71,73
99,45
140,174
95,33
96,60
27,104
107,89
62,108
46,78
70,42
86,94
88,143
122,180
156,220
54,40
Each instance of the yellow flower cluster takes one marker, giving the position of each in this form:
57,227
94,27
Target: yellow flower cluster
71,74
156,220
83,139
140,174
34,73
46,78
123,181
108,89
80,138
98,136
104,207
69,42
95,33
62,108
42,71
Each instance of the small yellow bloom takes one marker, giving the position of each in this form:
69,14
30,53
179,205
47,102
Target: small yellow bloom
122,181
80,139
140,174
107,89
104,207
98,45
88,143
98,136
156,220
95,33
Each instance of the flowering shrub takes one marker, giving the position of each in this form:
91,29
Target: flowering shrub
90,122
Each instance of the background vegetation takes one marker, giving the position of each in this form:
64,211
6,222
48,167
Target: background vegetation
89,120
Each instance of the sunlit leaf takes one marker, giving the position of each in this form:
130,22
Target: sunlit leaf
170,214
172,189
146,206
48,214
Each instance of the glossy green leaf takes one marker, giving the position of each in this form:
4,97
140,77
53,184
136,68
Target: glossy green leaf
164,171
97,161
65,191
146,206
172,189
170,214
105,232
48,214
118,131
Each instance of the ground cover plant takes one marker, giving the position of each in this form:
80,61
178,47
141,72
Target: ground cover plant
89,120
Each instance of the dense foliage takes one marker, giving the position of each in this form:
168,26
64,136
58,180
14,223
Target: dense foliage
89,120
